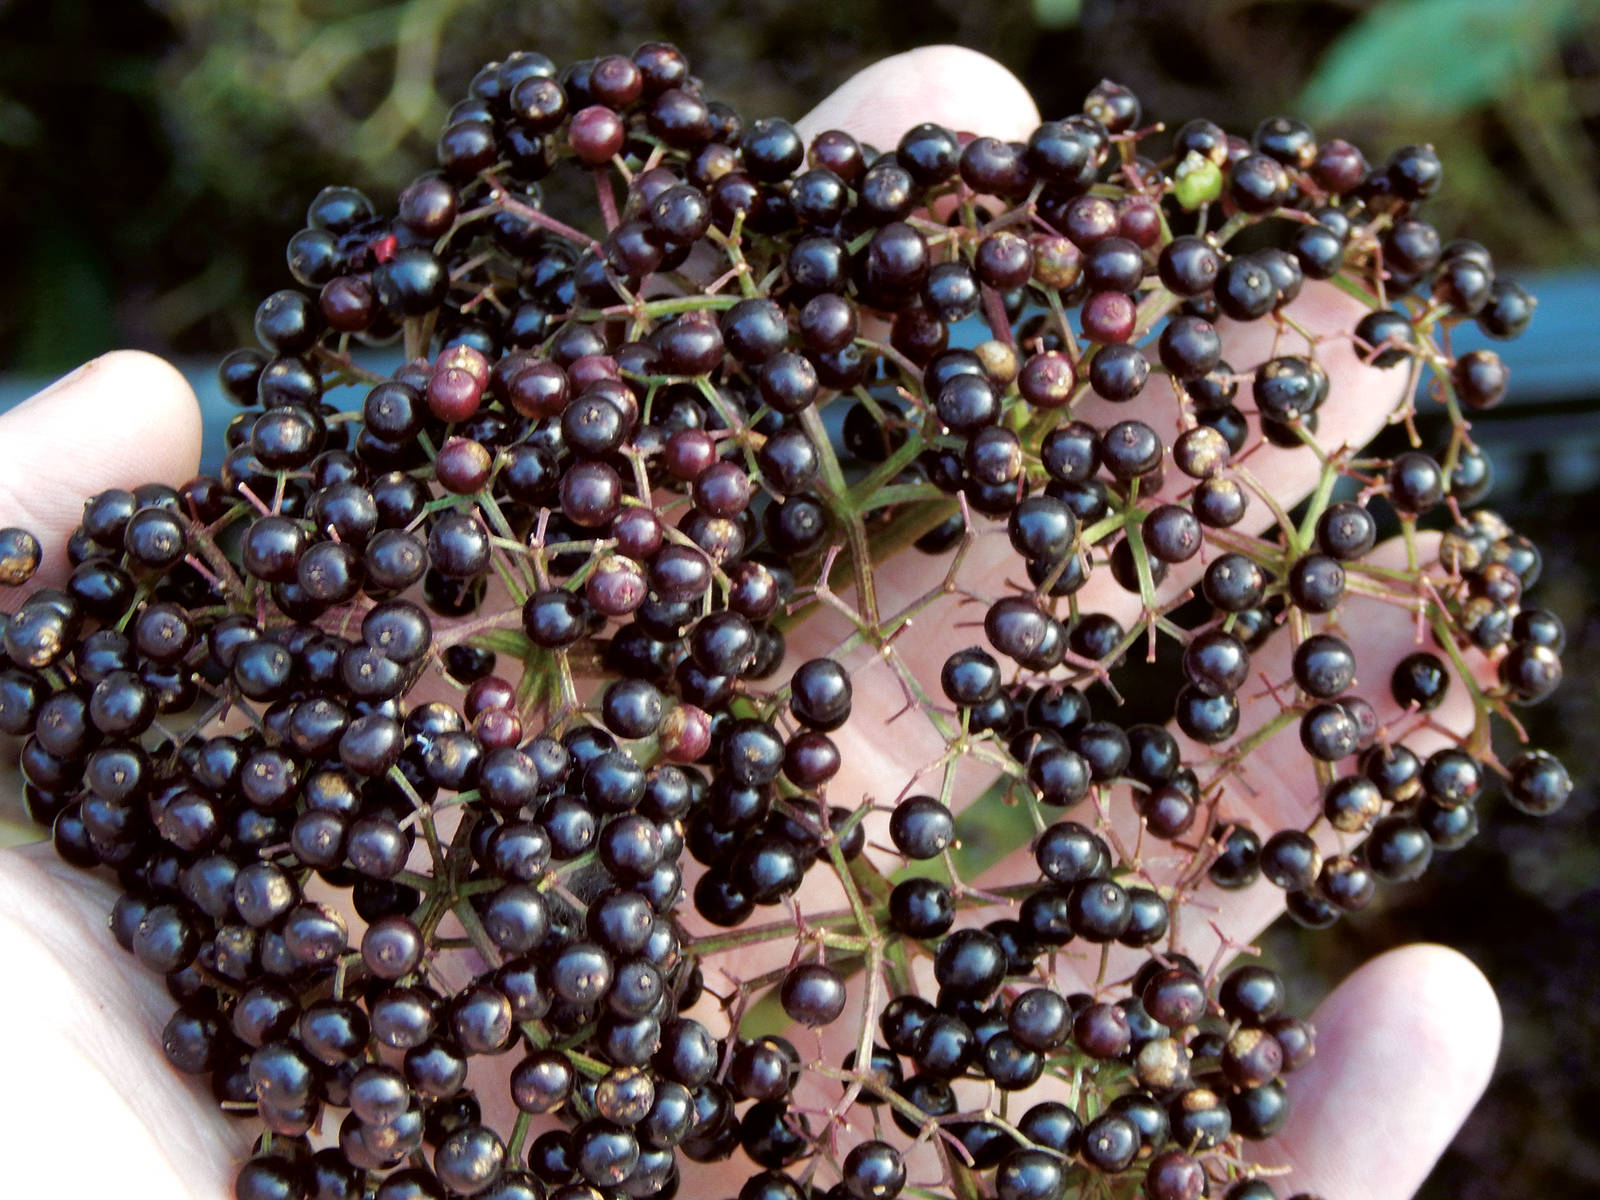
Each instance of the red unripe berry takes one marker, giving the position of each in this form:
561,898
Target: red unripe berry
1109,317
463,466
638,532
616,587
590,369
1139,220
347,303
489,692
722,490
497,728
538,390
615,81
689,452
685,734
1339,167
454,394
596,134
467,358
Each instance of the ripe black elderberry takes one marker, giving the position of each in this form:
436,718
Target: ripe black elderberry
511,638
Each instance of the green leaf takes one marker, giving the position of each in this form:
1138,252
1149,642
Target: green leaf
504,641
765,1018
1057,14
874,888
1437,56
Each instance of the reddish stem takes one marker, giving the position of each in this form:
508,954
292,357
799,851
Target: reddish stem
608,202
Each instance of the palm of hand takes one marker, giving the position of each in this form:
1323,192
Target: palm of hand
86,1016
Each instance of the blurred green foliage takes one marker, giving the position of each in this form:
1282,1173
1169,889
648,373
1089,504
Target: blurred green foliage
1437,56
159,152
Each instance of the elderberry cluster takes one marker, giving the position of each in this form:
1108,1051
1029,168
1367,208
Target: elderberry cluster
396,731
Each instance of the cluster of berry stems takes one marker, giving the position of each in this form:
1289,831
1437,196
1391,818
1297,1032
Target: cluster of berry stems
452,751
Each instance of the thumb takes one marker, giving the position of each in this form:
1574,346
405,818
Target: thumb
121,420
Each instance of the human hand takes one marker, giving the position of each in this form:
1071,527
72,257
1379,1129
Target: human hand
91,1050
1426,1006
96,1108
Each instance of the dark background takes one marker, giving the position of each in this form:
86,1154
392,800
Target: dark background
156,154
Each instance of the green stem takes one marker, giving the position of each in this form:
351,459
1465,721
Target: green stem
668,307
837,496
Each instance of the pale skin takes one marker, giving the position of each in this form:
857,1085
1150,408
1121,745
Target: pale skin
1405,1045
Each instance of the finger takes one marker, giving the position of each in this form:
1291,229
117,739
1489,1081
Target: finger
124,419
1318,324
90,1020
1276,786
1362,398
948,85
963,90
1361,401
1408,1043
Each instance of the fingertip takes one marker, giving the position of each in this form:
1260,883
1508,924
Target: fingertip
1408,1042
1435,999
120,420
1451,980
948,85
165,405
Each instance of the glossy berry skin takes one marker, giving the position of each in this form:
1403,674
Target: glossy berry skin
1508,311
154,538
1042,527
1040,1019
873,1170
969,962
1316,583
1238,862
1398,850
1420,681
1531,672
650,469
970,677
813,994
1188,265
921,827
1346,531
410,283
1539,783
1208,719
1216,663
268,1178
921,908
469,1160
1329,732
1324,666
1029,1175
1416,482
1291,860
